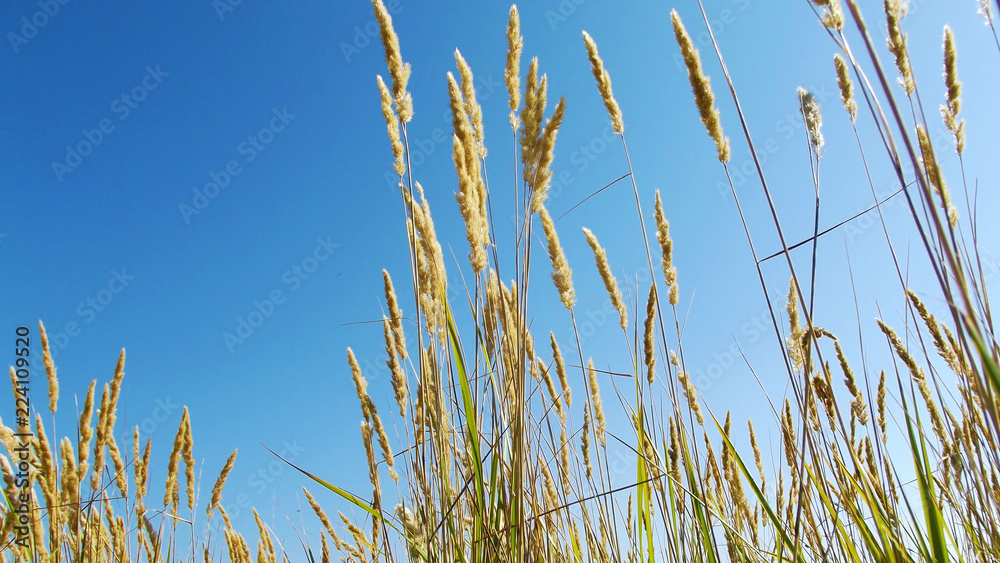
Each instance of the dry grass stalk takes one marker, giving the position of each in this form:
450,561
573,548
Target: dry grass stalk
392,127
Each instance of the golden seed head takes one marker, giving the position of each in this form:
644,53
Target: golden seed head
360,384
846,86
604,84
703,96
560,369
541,176
894,13
395,315
585,441
471,192
399,384
398,70
951,72
561,274
220,483
50,369
189,462
595,398
691,394
610,283
648,342
833,13
512,72
954,101
472,107
813,118
535,90
667,250
935,175
392,127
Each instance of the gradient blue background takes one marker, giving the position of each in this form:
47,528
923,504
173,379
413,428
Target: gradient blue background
323,176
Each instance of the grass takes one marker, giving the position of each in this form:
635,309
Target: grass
501,460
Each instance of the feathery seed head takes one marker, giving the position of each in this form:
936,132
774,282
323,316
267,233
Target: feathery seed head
512,72
610,283
472,107
50,369
395,315
703,96
895,10
954,101
604,84
398,70
846,86
648,342
562,275
833,13
935,175
542,174
392,127
814,120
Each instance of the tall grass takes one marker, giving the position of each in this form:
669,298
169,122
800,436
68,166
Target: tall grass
506,450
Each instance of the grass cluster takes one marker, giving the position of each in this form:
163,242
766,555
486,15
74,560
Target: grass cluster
505,444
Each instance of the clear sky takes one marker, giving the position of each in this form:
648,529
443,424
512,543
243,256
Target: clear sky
172,172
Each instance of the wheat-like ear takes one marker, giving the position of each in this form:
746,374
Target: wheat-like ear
604,84
954,100
50,369
846,86
648,342
610,283
894,12
398,70
833,13
219,484
814,119
512,72
392,127
561,274
702,86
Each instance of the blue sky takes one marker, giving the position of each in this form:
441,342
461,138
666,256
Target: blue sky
122,119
